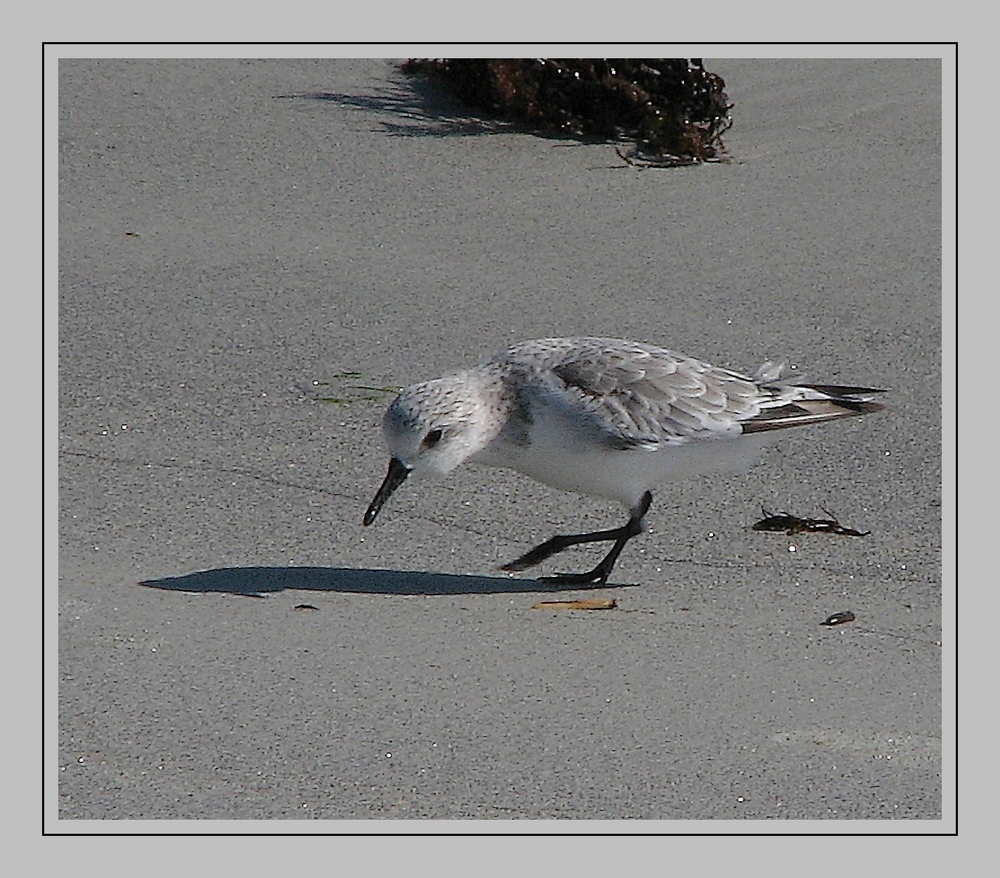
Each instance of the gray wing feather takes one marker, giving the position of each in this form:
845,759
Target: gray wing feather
650,395
643,396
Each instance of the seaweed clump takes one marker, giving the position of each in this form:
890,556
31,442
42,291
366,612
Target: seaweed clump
674,109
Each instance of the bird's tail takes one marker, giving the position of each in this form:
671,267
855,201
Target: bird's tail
799,404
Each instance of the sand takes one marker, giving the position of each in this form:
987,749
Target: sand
242,242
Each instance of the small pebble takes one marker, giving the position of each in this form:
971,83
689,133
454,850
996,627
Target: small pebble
839,618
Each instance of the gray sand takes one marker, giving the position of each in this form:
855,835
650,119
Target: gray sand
231,243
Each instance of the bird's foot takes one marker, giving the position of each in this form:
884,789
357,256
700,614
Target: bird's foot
596,578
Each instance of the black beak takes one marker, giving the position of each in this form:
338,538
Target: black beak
398,471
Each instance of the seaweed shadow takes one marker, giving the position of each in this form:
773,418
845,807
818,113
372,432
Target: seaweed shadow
423,107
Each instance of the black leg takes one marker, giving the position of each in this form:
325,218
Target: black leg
599,575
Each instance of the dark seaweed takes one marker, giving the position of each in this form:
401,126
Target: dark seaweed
792,524
674,109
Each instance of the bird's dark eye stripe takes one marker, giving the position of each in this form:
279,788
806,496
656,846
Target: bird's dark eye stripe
432,439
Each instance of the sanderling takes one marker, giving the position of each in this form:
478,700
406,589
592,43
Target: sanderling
598,416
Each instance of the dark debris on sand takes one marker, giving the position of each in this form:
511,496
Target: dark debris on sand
674,109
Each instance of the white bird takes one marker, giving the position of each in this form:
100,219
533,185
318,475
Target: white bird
598,416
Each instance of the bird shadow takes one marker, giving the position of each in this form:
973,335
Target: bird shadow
262,581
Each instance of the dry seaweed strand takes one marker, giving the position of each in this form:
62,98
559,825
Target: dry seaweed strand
674,109
588,604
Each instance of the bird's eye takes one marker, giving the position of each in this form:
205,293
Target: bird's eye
432,438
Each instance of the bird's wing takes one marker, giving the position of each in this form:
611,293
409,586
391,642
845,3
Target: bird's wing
649,396
642,396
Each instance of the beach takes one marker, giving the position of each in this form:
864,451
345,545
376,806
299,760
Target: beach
255,254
